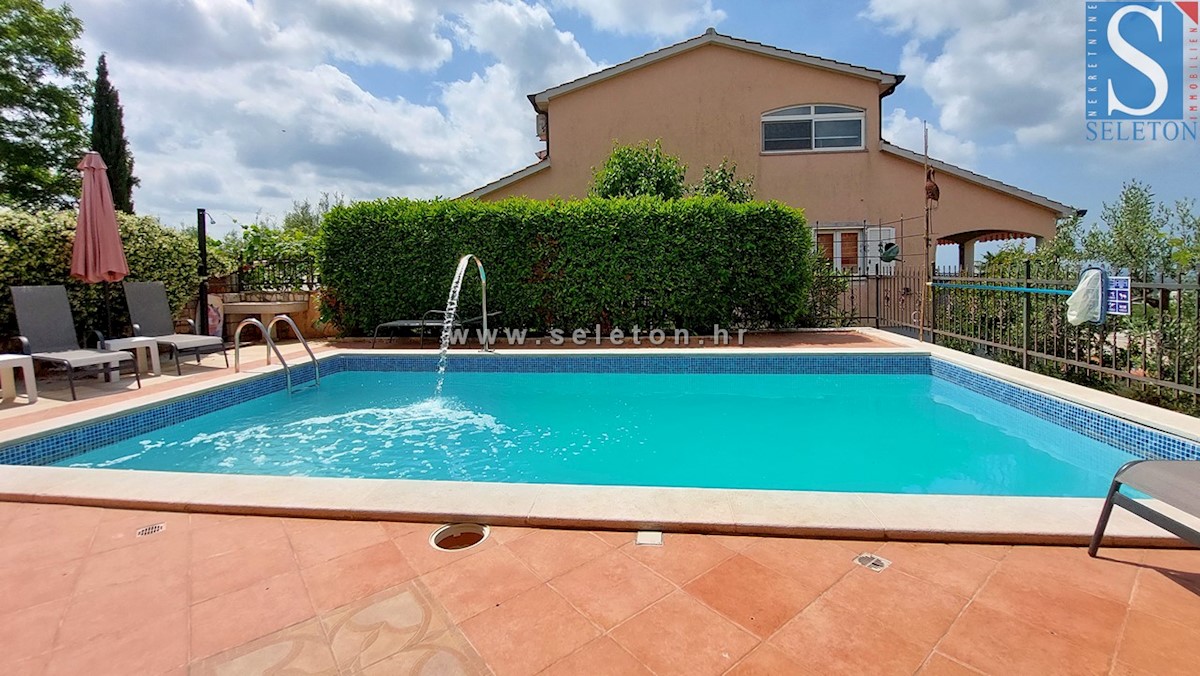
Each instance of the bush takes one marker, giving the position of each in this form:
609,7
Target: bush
637,170
687,263
36,249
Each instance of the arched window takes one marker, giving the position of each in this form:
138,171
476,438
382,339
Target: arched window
815,127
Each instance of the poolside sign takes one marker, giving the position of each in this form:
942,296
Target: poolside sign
1142,71
1118,296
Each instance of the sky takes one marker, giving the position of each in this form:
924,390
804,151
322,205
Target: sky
243,107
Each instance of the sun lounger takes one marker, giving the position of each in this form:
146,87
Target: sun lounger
48,334
151,316
1174,482
432,319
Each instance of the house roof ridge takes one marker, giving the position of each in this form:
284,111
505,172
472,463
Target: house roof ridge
712,36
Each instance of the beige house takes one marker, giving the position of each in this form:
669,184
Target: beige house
806,128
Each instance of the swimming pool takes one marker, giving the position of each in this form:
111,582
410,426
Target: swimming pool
889,424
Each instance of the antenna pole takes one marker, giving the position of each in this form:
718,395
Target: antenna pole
926,293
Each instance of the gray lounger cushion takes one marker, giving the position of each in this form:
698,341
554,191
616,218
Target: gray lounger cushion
80,358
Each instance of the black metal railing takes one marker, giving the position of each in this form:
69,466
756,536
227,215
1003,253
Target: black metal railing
1152,354
283,274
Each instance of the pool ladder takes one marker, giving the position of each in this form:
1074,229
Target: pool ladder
272,347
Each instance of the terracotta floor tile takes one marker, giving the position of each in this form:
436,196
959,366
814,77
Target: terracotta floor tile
401,619
21,588
682,557
226,536
1177,560
151,557
479,582
244,615
993,552
766,660
119,528
940,665
921,611
202,519
80,523
316,541
1072,566
424,558
1072,613
738,543
615,538
1159,646
33,666
828,638
601,657
299,650
529,632
29,632
679,635
814,563
240,568
757,598
958,569
612,588
550,553
506,534
36,553
450,655
122,606
395,529
153,647
1168,594
356,575
995,642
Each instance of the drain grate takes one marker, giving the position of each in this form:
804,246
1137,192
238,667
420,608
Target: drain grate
151,530
872,562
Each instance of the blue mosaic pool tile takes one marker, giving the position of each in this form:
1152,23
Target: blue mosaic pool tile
652,364
1127,436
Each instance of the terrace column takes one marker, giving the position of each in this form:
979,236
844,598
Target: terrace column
966,257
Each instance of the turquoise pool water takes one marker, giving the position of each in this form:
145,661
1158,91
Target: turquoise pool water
869,433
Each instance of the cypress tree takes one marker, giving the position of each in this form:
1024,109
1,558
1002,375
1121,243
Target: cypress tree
108,139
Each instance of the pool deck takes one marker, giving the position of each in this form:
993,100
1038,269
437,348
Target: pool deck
80,592
934,518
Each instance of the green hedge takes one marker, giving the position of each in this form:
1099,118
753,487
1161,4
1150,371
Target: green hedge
36,249
687,263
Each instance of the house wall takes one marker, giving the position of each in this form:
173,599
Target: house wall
706,105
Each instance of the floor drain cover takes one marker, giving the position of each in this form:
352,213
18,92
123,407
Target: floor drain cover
872,562
456,537
151,530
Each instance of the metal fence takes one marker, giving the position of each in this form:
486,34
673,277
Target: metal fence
1152,355
284,274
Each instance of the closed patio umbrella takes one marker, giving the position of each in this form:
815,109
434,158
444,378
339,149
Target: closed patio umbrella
98,255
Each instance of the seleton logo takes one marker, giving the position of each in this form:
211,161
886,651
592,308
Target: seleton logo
1143,71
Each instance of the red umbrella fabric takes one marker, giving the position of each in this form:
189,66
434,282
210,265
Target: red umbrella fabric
98,255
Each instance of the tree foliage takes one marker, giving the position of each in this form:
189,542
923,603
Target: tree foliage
639,170
108,138
42,91
723,180
35,248
1135,236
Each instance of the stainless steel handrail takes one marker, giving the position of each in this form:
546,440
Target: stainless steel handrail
271,347
296,330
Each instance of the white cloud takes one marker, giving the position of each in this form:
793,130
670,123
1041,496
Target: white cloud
1009,67
908,132
662,18
240,107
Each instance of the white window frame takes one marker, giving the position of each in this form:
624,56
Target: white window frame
814,117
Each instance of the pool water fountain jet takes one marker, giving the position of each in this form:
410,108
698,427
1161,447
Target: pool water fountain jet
452,312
